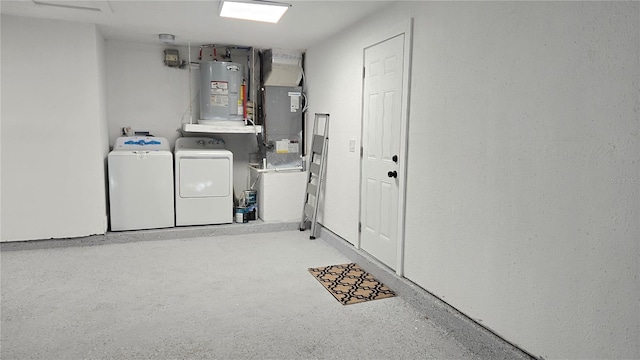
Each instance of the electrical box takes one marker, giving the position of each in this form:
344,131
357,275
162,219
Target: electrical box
171,57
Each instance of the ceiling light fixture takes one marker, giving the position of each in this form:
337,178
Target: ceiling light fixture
255,10
167,38
74,5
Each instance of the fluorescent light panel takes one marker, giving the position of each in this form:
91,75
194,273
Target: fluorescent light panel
265,11
98,6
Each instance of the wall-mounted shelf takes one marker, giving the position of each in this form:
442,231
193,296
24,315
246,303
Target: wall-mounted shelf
222,129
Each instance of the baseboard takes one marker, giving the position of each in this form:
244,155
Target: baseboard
182,232
479,339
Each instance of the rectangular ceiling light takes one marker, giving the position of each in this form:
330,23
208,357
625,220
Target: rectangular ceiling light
265,11
96,5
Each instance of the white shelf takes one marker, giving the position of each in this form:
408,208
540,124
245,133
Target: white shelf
222,129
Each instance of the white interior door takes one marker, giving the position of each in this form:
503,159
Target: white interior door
382,125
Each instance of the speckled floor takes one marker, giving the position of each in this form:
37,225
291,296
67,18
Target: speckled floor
225,297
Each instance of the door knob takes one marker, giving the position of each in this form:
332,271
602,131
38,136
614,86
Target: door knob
393,174
395,158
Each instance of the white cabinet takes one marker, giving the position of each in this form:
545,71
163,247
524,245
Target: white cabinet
279,193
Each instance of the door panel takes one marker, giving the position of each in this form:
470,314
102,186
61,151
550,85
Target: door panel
204,177
372,215
382,120
389,143
374,117
386,193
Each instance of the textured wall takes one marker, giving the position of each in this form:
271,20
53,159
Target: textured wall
523,187
524,196
53,130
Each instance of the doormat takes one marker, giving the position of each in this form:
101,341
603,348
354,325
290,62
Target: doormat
349,284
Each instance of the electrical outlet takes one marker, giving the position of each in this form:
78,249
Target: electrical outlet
352,145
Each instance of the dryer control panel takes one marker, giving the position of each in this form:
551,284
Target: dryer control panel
199,143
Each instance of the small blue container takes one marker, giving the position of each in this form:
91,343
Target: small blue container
250,197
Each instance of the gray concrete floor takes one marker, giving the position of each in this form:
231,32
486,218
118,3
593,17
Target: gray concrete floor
224,297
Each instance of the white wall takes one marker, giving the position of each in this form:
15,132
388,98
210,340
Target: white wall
334,86
102,106
53,137
523,183
144,94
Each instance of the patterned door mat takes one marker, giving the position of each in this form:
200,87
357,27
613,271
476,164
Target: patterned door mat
349,284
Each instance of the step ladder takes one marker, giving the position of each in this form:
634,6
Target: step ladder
315,173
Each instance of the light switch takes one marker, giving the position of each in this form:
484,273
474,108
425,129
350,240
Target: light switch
352,145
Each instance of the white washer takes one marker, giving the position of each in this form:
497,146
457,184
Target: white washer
204,182
141,183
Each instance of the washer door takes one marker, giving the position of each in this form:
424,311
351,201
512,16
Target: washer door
204,177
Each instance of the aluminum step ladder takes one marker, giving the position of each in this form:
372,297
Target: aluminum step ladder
315,173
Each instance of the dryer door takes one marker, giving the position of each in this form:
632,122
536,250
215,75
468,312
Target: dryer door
204,177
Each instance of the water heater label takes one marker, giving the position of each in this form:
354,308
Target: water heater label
219,100
219,93
219,87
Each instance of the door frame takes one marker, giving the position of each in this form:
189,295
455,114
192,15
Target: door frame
405,28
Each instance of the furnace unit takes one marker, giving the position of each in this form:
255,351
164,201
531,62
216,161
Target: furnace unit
282,107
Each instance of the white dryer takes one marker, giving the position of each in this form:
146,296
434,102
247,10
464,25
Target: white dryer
203,182
141,183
